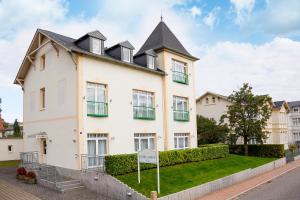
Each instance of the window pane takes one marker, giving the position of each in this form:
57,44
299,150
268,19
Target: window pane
175,143
102,147
91,147
181,143
151,145
126,54
144,143
96,45
186,142
136,144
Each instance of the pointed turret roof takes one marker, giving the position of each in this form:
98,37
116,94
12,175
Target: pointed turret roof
162,37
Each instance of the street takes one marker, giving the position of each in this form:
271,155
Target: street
285,187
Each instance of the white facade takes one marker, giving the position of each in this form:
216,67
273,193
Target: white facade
294,122
10,148
59,88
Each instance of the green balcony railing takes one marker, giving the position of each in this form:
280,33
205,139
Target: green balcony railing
142,112
180,77
97,109
181,115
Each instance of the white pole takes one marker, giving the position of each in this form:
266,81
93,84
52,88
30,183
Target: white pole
158,182
139,173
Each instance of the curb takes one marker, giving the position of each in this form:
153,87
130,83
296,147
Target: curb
259,184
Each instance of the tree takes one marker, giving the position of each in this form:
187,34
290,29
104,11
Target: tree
210,132
17,130
248,115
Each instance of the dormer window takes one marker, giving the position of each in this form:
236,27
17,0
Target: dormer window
96,46
151,62
126,54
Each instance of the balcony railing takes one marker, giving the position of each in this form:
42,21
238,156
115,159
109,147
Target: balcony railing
180,77
97,109
141,112
92,162
29,157
181,115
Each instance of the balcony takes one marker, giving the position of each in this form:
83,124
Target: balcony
97,109
181,115
180,77
142,112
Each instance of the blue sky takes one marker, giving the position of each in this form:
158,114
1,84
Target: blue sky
255,41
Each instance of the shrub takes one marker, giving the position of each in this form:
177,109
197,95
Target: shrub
127,163
31,175
21,171
259,150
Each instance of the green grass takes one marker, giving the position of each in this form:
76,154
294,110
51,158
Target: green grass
9,163
179,177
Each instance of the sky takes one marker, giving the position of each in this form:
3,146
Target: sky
237,41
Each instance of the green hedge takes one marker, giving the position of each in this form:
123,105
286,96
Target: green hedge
259,150
127,163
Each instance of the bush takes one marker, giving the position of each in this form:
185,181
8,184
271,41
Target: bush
127,163
259,150
21,171
31,175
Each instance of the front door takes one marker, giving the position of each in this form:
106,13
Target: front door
43,146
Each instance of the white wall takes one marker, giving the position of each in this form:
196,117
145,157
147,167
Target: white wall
17,147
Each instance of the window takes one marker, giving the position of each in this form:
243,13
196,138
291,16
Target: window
296,109
214,99
151,62
296,136
296,121
96,46
43,63
144,141
179,72
143,105
180,108
181,140
61,91
96,100
42,99
126,54
207,100
96,146
10,148
252,140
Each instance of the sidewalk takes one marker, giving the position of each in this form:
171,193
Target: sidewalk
239,188
10,192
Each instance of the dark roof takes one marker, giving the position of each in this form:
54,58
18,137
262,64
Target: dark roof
294,104
126,44
278,104
162,37
95,34
69,44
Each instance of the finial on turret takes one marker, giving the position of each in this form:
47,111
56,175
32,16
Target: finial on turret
161,17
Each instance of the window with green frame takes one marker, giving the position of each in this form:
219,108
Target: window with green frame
180,109
96,100
143,105
180,72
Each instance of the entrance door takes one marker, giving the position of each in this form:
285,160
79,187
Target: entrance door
43,150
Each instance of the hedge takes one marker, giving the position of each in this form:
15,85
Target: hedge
127,163
259,150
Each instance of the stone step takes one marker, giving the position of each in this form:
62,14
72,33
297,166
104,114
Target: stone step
68,187
70,182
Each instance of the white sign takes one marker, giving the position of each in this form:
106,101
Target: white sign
148,156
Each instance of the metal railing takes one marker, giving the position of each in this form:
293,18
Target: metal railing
97,109
143,112
180,77
48,172
92,162
181,115
29,157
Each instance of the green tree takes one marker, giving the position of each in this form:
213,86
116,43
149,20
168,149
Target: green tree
17,130
248,115
210,132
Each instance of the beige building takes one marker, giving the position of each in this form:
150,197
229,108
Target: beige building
83,100
212,105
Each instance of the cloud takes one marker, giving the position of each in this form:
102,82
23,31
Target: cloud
242,8
279,17
271,68
195,11
211,18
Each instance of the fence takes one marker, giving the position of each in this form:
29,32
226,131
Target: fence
29,157
92,162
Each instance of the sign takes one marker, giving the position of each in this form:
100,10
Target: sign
148,156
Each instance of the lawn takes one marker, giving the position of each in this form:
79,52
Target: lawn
9,163
179,177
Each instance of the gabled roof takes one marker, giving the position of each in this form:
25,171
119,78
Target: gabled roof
213,94
278,105
126,44
294,104
96,34
162,37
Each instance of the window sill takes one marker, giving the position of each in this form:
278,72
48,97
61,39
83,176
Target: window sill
144,118
182,120
93,115
181,82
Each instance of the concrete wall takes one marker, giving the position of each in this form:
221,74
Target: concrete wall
58,119
201,190
17,147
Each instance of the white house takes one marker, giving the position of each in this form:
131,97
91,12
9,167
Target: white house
83,98
212,105
294,121
10,148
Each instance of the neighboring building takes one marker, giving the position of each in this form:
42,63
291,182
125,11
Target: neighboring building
10,148
212,105
294,121
81,98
